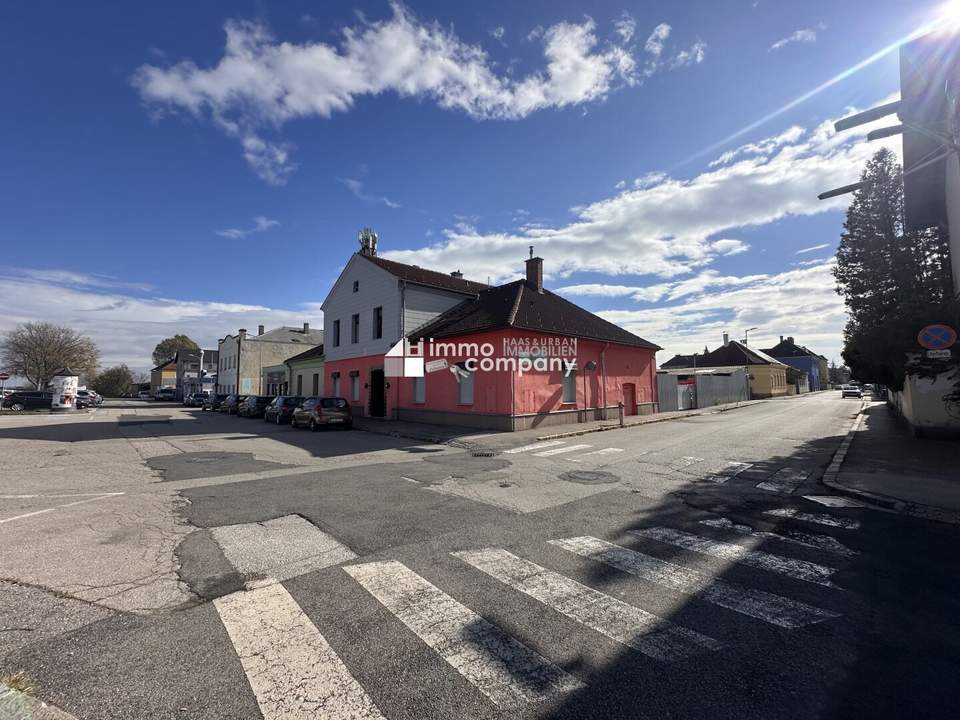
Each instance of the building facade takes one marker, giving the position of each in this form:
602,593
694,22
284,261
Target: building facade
164,375
306,373
804,359
449,320
195,374
767,376
242,357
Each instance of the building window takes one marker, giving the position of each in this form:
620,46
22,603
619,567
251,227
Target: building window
300,385
419,390
355,388
355,329
316,384
570,386
336,333
356,285
464,385
377,323
336,384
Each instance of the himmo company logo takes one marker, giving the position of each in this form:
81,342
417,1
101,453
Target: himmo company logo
404,360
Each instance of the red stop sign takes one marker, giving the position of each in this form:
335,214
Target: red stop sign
4,376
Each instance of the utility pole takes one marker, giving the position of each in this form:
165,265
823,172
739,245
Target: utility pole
746,335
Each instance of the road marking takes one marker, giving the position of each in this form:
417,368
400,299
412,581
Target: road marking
639,629
759,604
409,479
602,451
687,461
730,471
102,496
534,446
819,542
559,451
293,671
785,480
835,501
819,519
797,569
501,667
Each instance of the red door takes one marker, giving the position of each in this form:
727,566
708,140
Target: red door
629,399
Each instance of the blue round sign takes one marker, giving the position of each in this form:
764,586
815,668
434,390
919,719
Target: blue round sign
937,337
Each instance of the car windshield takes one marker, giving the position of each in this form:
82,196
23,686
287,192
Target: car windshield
333,403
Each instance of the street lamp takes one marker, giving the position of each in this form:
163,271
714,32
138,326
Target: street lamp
746,335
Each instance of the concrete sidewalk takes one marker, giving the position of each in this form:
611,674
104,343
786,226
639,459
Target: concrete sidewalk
495,441
882,462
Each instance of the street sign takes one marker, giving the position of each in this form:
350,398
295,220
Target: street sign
4,376
937,337
939,354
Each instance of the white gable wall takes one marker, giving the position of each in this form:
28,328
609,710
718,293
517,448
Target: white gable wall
377,288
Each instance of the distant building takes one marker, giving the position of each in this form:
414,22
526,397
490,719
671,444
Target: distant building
306,372
191,377
680,361
164,375
767,376
802,358
243,357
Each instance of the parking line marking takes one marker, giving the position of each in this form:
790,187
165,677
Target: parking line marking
560,451
534,446
817,518
818,542
632,626
784,481
293,671
759,604
103,496
797,569
498,665
601,451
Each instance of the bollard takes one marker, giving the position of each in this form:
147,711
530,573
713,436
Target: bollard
620,411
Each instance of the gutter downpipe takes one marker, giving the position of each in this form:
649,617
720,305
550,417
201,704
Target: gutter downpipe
403,336
603,374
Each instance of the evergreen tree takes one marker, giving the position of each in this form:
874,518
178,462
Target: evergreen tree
166,348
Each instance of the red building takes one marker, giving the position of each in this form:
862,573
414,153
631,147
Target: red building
507,357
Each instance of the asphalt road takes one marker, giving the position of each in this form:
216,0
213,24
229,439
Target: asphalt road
157,562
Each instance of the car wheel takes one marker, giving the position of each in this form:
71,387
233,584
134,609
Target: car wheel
17,407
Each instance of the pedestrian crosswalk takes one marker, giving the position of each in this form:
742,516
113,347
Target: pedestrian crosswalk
294,671
562,450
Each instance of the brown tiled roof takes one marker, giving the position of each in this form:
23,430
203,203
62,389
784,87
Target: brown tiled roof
422,276
735,353
517,305
679,361
788,349
310,354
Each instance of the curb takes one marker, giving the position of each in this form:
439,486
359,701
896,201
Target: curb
20,706
831,478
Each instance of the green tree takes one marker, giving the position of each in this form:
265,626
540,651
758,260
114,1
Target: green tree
893,281
113,382
166,348
37,350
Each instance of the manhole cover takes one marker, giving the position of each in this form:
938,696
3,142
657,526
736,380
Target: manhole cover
589,477
482,453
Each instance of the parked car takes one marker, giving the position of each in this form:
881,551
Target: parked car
195,399
212,401
231,403
315,413
166,394
144,395
851,391
280,410
88,398
254,405
28,400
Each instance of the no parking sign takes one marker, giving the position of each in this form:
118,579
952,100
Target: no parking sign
937,337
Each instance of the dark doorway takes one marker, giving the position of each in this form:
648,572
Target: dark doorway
378,394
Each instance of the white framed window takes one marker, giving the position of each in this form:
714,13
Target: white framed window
419,390
570,387
464,386
336,384
355,388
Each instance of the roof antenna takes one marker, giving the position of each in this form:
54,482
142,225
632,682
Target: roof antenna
531,252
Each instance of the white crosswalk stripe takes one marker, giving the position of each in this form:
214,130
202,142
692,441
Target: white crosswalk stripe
501,667
819,542
293,671
730,471
816,518
561,450
797,569
641,630
534,446
594,453
771,608
784,481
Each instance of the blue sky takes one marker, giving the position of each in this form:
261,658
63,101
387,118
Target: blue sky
159,180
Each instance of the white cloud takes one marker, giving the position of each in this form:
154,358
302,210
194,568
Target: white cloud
658,37
813,248
498,32
73,278
761,148
656,60
804,36
621,185
669,227
260,224
691,56
625,26
259,84
127,327
356,187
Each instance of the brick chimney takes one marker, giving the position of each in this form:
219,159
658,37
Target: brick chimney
306,328
242,332
726,339
259,329
781,338
790,340
457,274
535,272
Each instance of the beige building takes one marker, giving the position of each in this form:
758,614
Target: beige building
243,357
767,376
306,373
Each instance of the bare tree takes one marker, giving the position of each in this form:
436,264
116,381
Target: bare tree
37,350
113,382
